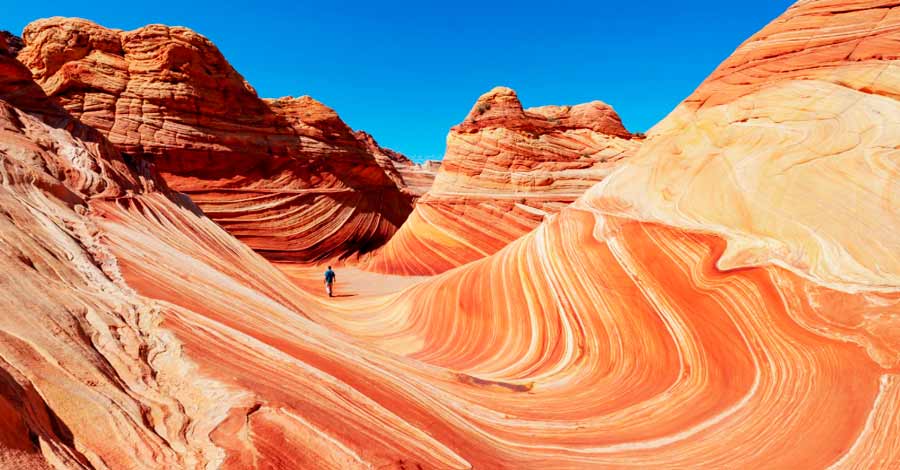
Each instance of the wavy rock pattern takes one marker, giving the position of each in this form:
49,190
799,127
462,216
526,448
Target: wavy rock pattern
93,374
505,170
726,298
285,176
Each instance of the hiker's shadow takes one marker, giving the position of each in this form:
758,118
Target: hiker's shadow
344,295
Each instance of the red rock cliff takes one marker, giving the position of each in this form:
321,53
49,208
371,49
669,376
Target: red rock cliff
286,176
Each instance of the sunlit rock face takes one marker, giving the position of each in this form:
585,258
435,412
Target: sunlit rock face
285,176
727,298
81,363
94,374
506,169
707,320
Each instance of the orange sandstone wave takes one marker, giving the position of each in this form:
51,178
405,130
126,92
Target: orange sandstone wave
411,177
738,311
727,298
285,176
599,342
93,374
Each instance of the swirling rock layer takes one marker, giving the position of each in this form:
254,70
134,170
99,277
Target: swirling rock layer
727,298
286,176
506,169
86,378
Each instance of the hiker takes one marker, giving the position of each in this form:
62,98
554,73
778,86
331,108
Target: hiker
329,281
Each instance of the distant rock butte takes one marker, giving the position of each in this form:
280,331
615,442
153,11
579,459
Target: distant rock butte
285,176
727,298
505,170
416,179
99,370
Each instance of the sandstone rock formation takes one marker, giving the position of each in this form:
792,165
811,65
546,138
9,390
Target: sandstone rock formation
727,298
410,176
505,170
285,176
93,374
12,44
74,375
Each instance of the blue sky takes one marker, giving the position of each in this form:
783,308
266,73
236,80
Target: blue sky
408,71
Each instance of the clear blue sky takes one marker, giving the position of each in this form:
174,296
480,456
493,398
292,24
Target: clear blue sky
408,71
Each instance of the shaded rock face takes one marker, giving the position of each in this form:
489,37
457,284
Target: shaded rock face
286,176
75,340
413,178
16,84
505,170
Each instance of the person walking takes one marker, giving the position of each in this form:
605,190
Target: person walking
329,281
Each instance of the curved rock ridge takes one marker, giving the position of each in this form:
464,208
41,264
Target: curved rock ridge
408,175
505,170
285,176
95,375
835,41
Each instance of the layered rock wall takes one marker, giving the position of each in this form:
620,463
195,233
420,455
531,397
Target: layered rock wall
285,176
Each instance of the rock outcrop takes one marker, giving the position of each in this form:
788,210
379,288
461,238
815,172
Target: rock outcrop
412,177
81,364
285,176
96,374
505,170
727,298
